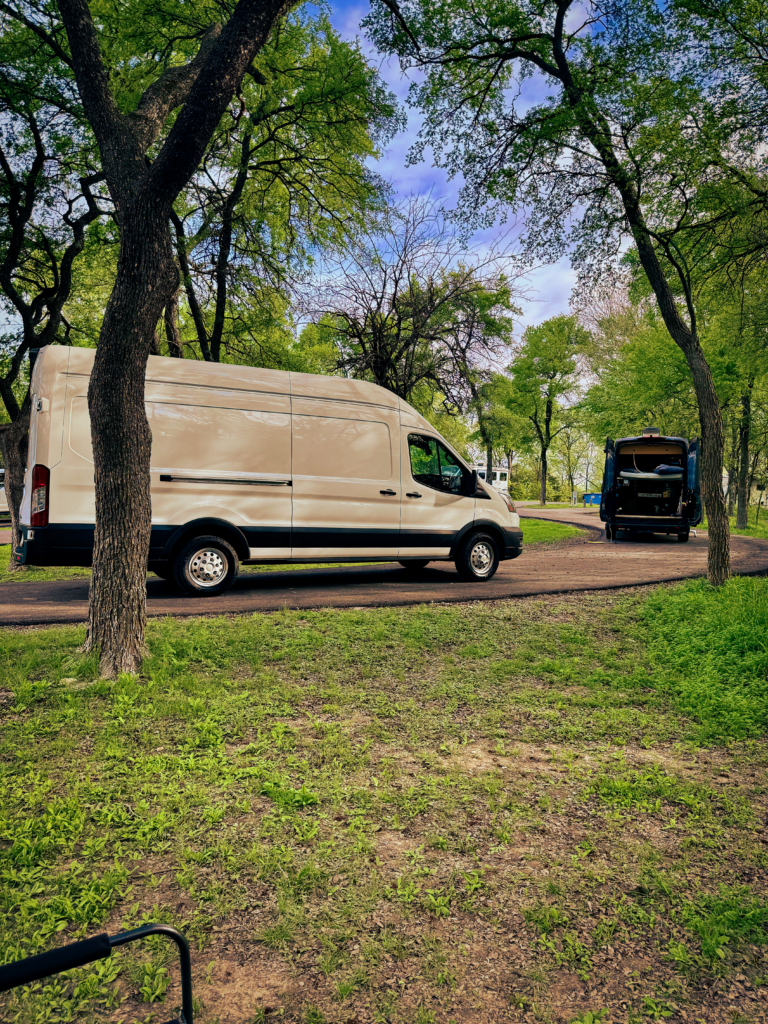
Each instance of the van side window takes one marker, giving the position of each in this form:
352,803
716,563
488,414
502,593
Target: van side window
434,466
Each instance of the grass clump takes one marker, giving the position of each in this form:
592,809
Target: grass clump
542,531
709,648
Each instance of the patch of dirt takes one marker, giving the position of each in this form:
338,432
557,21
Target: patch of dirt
391,847
237,991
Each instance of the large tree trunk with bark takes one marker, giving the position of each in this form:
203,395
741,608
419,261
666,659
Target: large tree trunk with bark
597,129
144,193
712,445
744,430
489,464
122,441
14,440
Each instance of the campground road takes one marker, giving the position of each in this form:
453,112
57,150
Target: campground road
591,564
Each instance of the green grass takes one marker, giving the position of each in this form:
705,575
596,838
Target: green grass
415,812
709,649
759,529
536,532
543,531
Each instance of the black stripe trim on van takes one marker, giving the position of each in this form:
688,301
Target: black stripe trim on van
167,478
267,536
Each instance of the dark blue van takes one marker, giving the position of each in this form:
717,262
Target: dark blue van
651,485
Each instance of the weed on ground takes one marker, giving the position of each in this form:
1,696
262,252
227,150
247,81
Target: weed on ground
467,813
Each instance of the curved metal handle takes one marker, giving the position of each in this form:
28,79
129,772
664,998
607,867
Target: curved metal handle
184,959
65,958
413,494
388,491
78,954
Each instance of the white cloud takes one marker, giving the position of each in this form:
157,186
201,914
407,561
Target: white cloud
550,286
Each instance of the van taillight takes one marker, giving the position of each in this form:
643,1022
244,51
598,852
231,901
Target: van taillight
41,479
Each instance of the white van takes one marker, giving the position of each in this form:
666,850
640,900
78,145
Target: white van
252,465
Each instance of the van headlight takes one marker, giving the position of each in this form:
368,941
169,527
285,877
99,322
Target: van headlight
508,501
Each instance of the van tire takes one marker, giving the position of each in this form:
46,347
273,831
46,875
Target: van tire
206,566
478,558
414,564
683,537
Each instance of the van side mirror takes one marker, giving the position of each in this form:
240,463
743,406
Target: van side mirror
471,483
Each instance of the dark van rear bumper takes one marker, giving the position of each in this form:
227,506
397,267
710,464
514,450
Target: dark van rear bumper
641,525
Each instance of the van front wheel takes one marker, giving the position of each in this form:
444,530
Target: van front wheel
206,566
478,558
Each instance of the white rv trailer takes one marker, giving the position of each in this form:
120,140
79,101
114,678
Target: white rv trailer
500,476
253,465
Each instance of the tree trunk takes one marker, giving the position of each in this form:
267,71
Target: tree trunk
744,425
543,495
712,445
733,469
14,440
172,332
489,464
597,129
122,441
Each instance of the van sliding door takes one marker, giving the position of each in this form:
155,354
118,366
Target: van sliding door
346,480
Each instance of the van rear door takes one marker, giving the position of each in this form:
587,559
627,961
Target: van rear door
607,501
693,496
346,480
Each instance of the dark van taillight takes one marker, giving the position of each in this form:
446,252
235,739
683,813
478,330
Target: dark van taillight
41,481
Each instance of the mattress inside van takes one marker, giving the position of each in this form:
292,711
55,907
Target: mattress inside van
643,492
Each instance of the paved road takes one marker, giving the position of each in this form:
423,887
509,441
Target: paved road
592,565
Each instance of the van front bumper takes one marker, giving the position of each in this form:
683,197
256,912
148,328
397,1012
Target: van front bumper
514,545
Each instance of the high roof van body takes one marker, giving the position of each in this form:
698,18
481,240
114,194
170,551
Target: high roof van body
254,465
651,485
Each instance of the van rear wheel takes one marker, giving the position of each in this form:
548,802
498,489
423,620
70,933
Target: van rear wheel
478,558
683,537
206,566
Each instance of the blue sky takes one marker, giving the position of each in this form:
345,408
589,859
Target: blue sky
550,286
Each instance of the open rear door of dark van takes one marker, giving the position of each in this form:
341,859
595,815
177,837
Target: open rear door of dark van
693,497
607,501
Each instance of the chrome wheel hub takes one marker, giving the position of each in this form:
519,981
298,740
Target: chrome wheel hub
208,567
481,558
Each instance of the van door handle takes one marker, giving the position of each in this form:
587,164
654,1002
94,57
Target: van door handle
388,491
413,494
